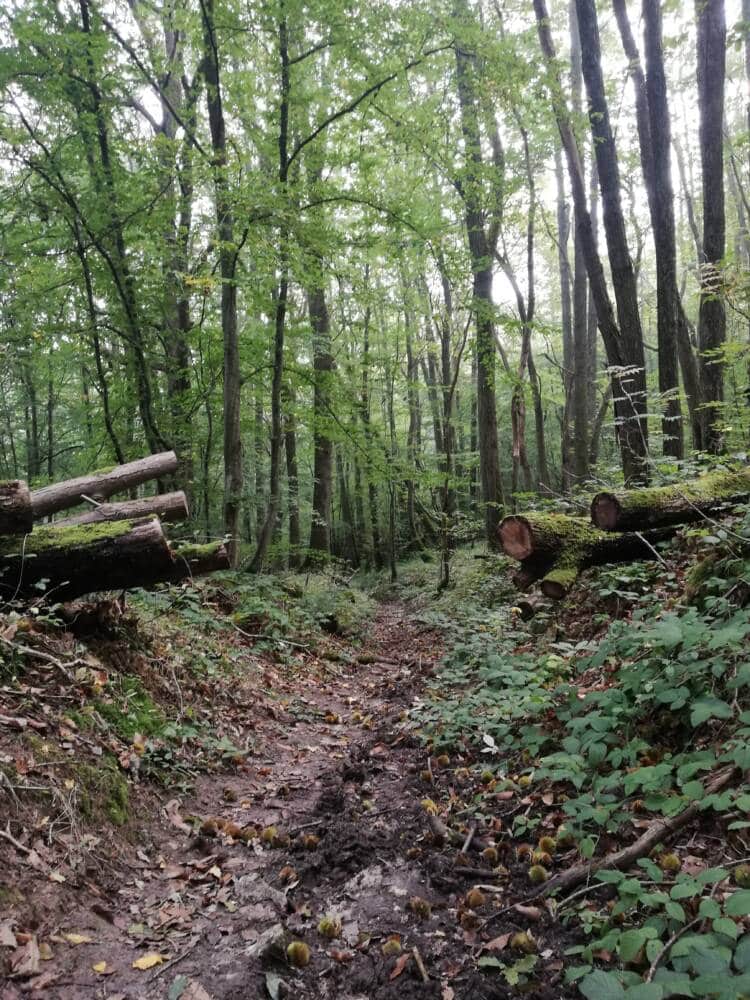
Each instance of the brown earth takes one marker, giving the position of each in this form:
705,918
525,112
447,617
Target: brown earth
336,772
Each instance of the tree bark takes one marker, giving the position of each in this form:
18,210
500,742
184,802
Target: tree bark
323,366
633,442
100,485
167,507
634,431
233,480
711,65
16,514
682,503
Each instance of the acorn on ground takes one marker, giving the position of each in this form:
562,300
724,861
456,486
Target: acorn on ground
310,841
491,856
547,844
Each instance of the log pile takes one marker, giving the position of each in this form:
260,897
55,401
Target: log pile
553,549
111,546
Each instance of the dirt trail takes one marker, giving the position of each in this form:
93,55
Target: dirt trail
334,773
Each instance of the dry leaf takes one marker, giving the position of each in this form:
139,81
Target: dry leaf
25,960
400,965
530,912
102,969
148,961
172,812
76,939
56,877
45,952
498,943
7,937
448,993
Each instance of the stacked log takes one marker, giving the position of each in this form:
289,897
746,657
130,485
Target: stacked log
112,546
552,549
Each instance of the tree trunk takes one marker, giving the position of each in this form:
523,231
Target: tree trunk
634,429
683,503
100,485
323,366
711,62
292,477
633,443
228,263
167,507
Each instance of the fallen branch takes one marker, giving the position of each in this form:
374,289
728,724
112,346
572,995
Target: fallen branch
659,830
166,506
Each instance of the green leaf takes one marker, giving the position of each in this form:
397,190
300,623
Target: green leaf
709,707
602,986
738,904
742,954
726,926
645,991
631,943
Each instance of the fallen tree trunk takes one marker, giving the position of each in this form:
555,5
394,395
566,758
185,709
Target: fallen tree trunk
554,548
16,515
166,506
197,560
101,485
680,503
63,563
70,561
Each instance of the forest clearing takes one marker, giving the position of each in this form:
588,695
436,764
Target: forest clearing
374,499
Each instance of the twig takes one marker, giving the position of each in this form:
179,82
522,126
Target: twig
420,964
7,835
37,654
469,838
175,960
271,638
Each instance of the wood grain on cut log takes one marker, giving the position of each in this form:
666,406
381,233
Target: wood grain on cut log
554,548
680,503
102,484
166,506
16,515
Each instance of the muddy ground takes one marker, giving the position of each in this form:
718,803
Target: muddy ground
325,819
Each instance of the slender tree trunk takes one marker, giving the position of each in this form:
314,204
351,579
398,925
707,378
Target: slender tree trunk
711,60
628,409
634,432
233,479
292,475
563,233
323,366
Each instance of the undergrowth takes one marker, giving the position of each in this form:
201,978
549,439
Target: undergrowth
606,734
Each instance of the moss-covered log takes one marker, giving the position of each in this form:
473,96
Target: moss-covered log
16,515
554,548
67,562
102,484
197,560
681,503
166,506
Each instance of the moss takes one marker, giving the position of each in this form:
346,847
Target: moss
718,485
71,536
135,713
563,576
191,551
103,791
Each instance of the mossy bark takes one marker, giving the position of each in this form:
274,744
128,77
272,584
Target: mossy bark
554,548
681,503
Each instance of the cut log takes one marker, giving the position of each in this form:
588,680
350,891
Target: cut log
680,503
16,515
103,484
166,506
555,548
63,563
197,560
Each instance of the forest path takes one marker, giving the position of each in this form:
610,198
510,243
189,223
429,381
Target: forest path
334,773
